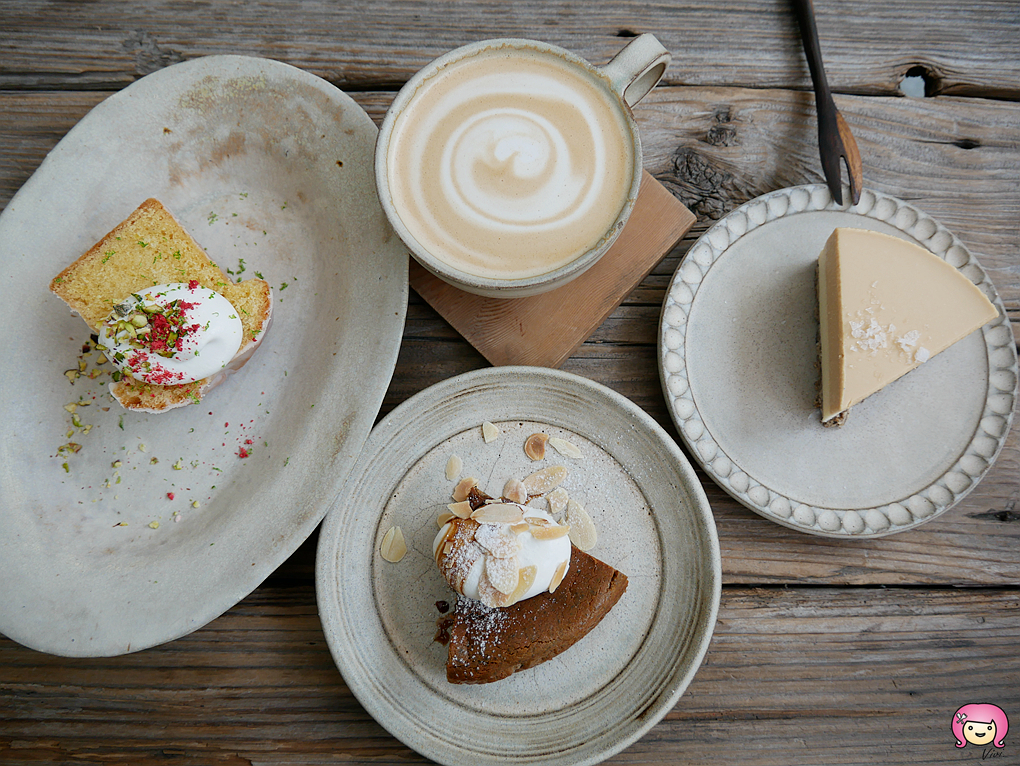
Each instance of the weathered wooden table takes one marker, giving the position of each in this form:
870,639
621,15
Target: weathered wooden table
825,651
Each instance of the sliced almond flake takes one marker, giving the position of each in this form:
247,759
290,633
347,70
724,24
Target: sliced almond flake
557,577
393,546
520,526
498,539
568,449
515,492
489,431
504,574
453,467
545,480
534,446
443,518
551,532
489,595
461,510
582,528
460,492
526,580
498,513
440,546
557,501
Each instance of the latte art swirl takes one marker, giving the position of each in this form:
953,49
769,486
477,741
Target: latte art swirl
511,168
510,164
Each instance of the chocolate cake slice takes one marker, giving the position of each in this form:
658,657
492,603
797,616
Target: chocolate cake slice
488,644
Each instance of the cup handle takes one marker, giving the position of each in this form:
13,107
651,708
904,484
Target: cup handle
637,68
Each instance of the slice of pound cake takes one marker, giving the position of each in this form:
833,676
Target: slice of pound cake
173,323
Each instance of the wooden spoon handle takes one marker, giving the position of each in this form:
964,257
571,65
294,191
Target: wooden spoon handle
809,34
835,142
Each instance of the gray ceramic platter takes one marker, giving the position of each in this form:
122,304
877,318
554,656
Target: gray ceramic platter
158,523
654,525
738,363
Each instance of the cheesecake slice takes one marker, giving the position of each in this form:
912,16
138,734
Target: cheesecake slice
886,306
486,644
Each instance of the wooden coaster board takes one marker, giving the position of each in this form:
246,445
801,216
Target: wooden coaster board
544,330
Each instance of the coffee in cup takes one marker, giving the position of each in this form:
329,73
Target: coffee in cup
510,166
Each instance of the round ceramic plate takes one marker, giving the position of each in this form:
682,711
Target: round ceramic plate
121,530
738,362
654,525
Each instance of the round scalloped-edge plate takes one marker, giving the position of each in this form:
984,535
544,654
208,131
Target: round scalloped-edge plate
654,524
159,523
738,366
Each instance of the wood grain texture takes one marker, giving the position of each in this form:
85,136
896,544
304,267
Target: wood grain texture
545,329
716,148
953,158
826,651
861,676
868,45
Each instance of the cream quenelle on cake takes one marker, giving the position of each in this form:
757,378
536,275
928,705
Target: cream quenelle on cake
885,307
504,553
172,321
172,334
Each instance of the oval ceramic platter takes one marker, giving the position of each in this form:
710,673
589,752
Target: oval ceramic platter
653,524
738,363
121,530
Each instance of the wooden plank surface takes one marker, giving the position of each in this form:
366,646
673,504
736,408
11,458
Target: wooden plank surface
966,48
861,676
716,148
826,652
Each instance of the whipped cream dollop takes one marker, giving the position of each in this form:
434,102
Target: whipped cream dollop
502,562
172,334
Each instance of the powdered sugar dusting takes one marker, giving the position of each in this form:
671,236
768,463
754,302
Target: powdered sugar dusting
487,623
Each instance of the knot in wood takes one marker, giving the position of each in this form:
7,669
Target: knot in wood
149,55
723,132
698,184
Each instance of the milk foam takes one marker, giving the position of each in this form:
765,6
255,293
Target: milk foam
510,163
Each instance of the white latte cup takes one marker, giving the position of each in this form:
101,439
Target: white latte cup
508,167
